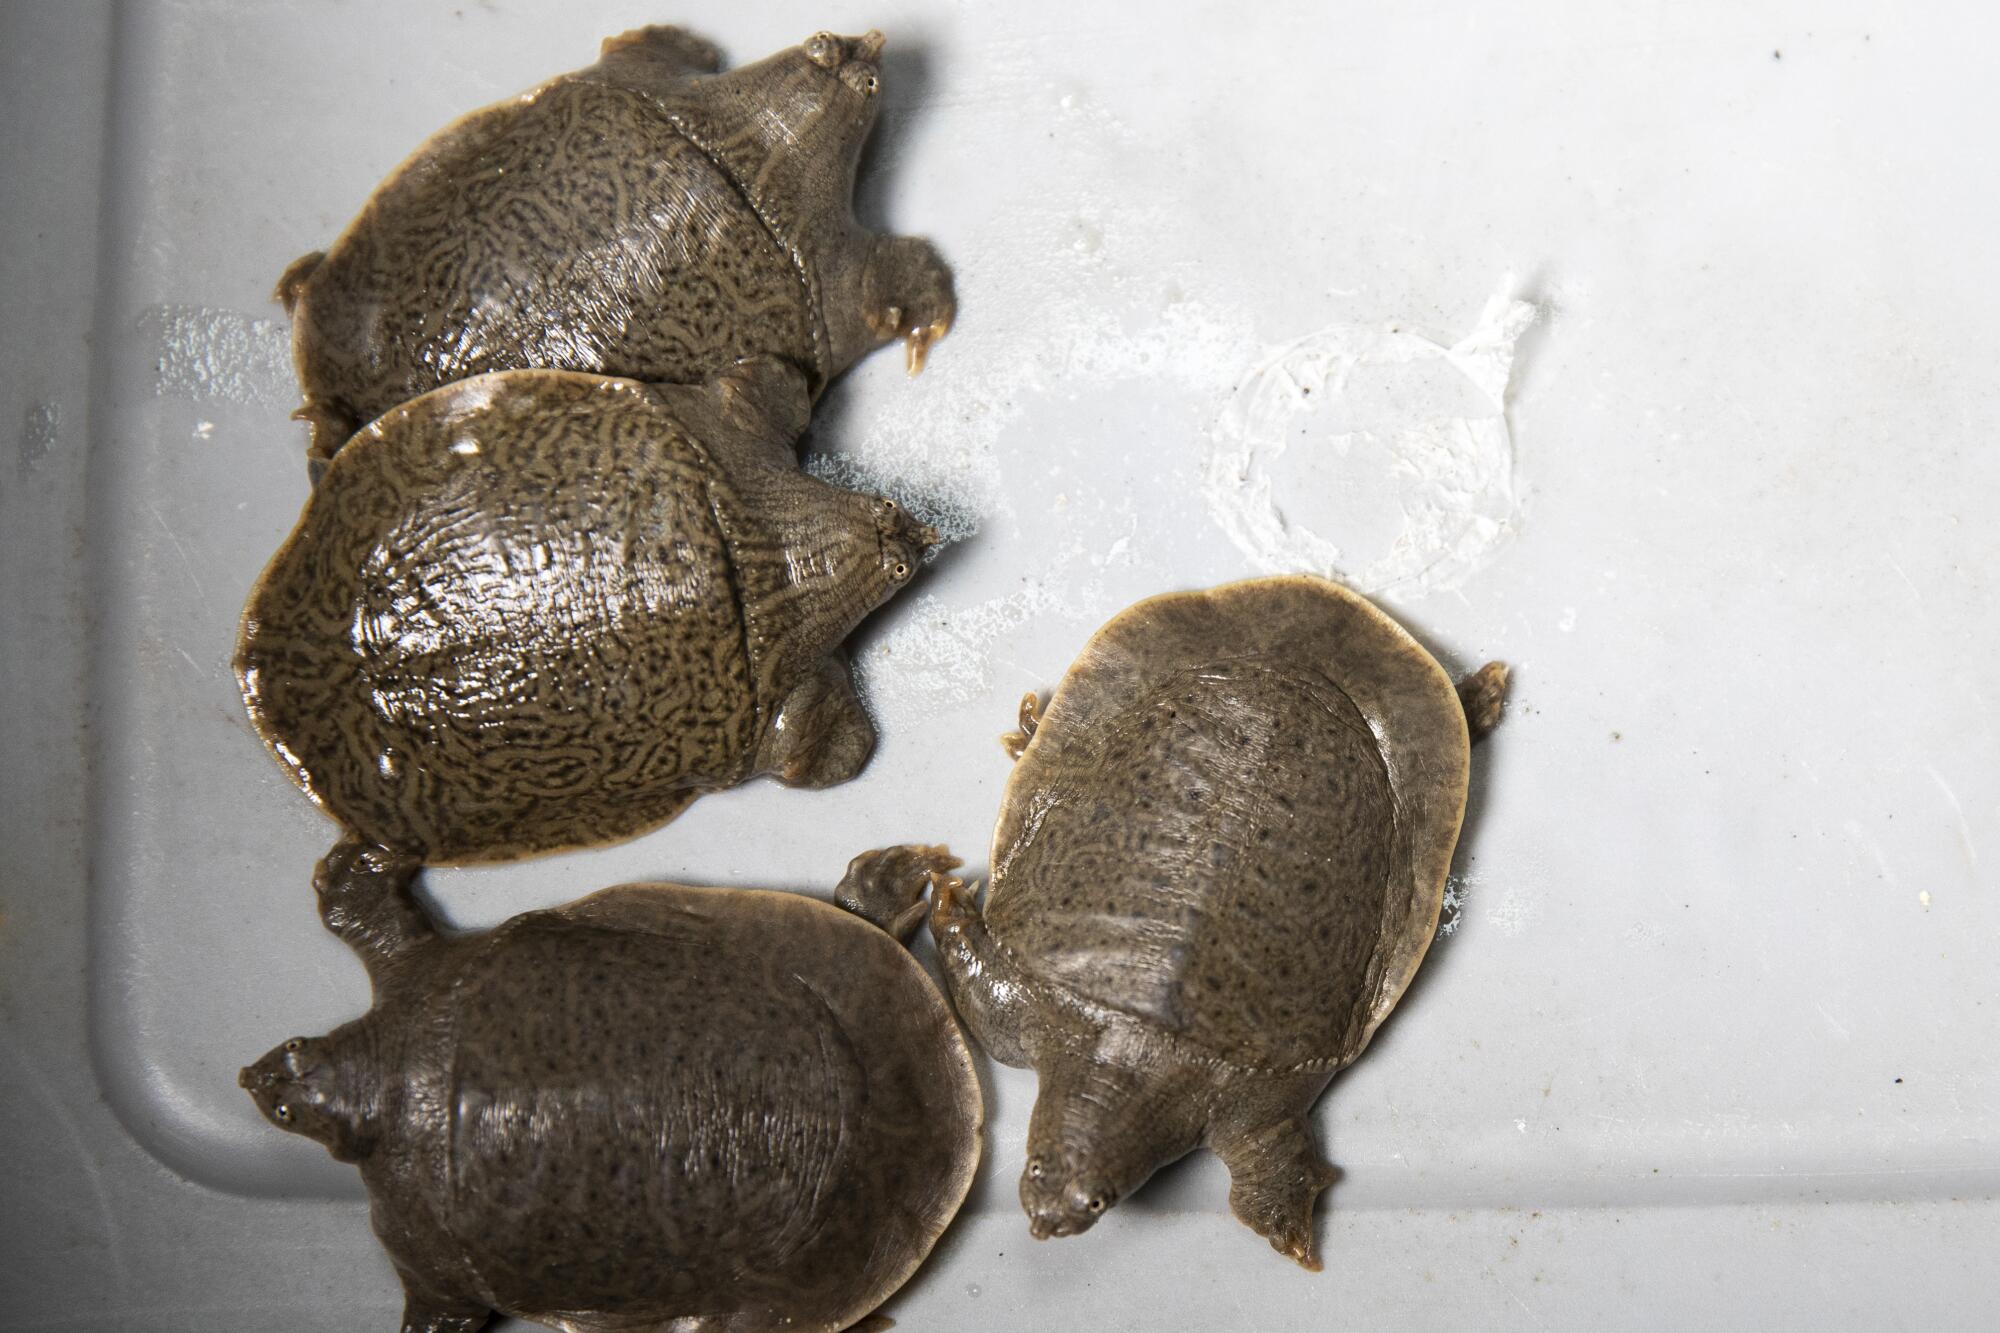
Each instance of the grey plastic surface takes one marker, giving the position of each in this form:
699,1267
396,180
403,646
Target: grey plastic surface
1723,949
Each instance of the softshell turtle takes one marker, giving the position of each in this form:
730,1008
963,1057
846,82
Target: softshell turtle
538,609
647,216
1219,860
655,1108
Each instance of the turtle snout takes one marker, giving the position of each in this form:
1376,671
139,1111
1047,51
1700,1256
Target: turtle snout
862,70
1054,1220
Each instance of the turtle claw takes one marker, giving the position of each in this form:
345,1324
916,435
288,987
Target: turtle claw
917,343
887,886
954,903
1300,1250
1015,743
908,295
1288,1225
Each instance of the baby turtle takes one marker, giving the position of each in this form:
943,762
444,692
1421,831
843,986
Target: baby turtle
1219,860
658,1107
647,216
538,609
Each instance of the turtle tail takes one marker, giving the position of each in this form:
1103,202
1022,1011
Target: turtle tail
1483,693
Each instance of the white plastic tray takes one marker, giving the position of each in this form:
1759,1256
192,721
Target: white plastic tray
1645,356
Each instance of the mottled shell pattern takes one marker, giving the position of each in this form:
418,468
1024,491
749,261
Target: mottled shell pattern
645,217
656,1103
1235,819
538,609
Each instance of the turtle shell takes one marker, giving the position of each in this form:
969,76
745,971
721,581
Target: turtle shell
663,1101
573,228
1235,819
531,610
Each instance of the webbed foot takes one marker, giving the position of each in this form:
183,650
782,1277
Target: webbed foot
822,735
886,886
954,905
908,294
1483,693
357,878
1276,1178
1030,718
365,899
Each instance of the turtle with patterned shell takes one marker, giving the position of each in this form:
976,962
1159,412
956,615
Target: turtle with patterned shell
656,1108
651,216
1220,858
539,609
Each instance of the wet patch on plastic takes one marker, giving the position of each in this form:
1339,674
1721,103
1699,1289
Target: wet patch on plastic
206,355
1377,455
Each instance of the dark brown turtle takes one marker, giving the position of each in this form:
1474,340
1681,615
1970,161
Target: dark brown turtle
656,1108
538,609
647,217
1218,863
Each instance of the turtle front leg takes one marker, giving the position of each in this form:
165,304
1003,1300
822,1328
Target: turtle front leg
365,898
997,1001
822,736
1030,716
887,886
1275,1171
906,293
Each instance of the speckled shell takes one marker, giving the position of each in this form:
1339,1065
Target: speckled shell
1235,819
539,609
664,1101
617,220
619,246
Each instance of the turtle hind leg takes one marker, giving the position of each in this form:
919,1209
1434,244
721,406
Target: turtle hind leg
1276,1176
887,886
822,736
1483,693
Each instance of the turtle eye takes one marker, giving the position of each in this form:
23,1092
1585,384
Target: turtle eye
900,570
1097,1204
861,80
282,1113
823,49
1034,1168
295,1045
886,505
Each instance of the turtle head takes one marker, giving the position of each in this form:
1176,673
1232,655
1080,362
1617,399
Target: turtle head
308,1085
903,543
811,105
1063,1196
1104,1120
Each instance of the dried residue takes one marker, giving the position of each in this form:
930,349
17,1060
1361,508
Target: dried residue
1394,425
208,355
